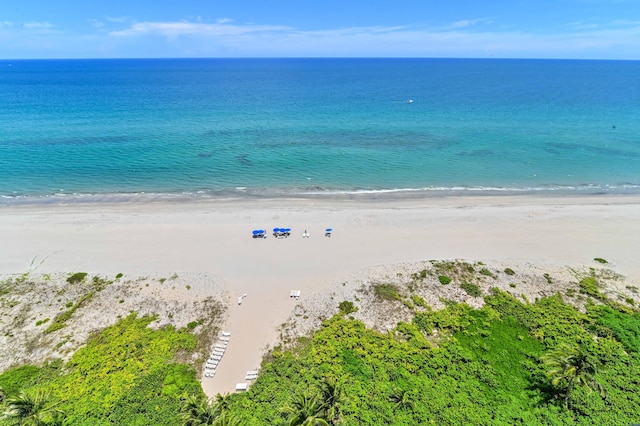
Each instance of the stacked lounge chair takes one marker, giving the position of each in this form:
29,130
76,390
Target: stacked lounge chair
219,349
281,232
251,375
259,233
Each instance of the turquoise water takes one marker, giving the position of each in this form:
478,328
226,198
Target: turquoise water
117,129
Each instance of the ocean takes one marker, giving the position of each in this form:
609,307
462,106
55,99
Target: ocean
109,130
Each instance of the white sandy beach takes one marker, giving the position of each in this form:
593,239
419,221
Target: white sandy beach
214,238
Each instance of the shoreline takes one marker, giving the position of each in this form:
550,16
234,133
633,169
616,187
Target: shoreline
362,195
214,238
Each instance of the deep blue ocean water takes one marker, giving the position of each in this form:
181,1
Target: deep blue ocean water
115,129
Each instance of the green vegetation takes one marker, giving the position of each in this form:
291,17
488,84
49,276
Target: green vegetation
40,322
77,277
503,364
590,286
347,308
386,292
61,319
509,271
510,362
125,375
486,272
472,289
444,280
600,260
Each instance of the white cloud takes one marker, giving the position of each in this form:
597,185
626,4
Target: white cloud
37,25
118,19
466,23
590,39
175,29
96,23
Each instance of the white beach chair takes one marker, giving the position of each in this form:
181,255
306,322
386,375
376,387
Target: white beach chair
241,387
225,339
226,333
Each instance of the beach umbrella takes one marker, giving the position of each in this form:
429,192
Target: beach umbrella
329,229
256,232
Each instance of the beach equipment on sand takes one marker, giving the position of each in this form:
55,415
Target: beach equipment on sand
281,232
258,233
241,387
327,232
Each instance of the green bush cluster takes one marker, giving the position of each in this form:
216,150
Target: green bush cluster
125,375
590,286
346,307
457,365
486,368
386,292
471,289
77,277
444,280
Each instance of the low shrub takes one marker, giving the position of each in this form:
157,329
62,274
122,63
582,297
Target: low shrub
77,277
347,307
590,286
486,272
444,280
509,271
471,289
600,260
386,292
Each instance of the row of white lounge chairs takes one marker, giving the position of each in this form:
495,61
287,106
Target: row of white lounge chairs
211,366
219,349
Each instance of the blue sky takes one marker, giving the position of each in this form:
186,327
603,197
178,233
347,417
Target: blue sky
585,29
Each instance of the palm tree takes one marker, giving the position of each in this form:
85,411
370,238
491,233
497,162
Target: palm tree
568,366
306,410
222,402
401,400
33,409
226,419
197,411
331,398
